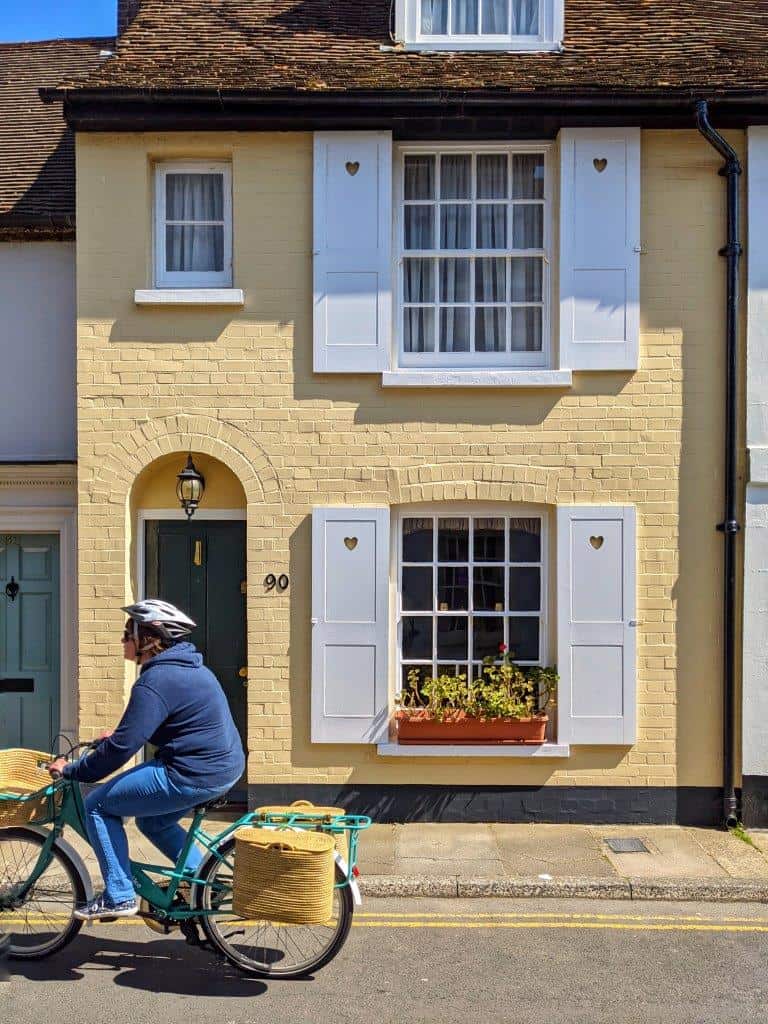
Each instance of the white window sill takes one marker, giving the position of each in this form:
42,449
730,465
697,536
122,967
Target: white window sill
546,750
477,379
477,46
189,297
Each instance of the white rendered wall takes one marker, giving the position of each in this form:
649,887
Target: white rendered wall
755,688
37,351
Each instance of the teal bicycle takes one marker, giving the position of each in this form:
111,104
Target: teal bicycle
43,878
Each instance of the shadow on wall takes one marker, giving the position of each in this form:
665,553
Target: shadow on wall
56,179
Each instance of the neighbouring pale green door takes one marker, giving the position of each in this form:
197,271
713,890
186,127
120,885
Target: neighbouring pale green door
29,640
200,567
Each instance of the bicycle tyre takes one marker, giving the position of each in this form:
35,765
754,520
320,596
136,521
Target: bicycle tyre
263,969
19,950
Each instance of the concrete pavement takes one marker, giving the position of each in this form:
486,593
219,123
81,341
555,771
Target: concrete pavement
443,860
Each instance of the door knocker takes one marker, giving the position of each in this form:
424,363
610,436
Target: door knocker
12,589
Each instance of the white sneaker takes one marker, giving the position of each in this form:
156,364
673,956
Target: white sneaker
99,910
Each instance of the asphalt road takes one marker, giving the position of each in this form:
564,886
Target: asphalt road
414,961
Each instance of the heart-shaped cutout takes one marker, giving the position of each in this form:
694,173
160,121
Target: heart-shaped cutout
597,542
353,166
351,543
600,164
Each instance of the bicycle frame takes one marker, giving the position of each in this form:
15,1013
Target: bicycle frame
72,813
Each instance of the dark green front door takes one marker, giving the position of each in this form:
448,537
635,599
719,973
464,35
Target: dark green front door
200,567
29,640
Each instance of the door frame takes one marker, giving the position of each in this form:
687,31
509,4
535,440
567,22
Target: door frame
144,514
61,521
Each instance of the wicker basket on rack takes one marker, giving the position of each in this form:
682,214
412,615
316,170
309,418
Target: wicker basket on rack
313,813
283,876
20,776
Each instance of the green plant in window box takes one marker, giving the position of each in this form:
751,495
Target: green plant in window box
509,703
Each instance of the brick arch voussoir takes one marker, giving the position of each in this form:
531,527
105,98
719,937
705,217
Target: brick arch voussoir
474,482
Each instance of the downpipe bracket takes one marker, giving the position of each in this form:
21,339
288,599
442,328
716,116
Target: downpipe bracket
730,526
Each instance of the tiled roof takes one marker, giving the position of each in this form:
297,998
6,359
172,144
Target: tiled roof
37,166
335,45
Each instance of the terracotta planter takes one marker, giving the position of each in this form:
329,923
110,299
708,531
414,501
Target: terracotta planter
457,728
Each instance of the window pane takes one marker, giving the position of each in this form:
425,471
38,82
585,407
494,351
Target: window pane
419,280
417,636
528,176
524,639
527,279
452,637
420,227
420,177
434,17
492,226
489,540
453,540
197,249
488,635
452,589
525,17
417,589
528,227
424,672
464,17
488,589
454,330
525,589
491,280
194,197
525,540
492,169
417,540
491,330
456,176
526,329
453,670
419,330
494,17
454,280
455,226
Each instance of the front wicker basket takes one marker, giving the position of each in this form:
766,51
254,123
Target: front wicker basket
300,808
20,776
284,876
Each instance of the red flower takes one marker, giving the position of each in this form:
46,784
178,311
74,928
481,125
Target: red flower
502,648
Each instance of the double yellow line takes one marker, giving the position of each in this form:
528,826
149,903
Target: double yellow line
494,921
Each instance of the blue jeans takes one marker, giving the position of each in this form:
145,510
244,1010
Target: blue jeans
147,794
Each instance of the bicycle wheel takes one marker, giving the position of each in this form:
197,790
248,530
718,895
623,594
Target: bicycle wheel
268,949
41,922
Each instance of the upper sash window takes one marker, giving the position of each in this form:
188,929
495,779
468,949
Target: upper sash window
481,24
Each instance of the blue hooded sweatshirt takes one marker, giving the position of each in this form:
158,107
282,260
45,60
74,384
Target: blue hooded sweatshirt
178,705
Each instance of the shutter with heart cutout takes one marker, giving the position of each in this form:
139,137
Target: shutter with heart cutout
599,248
352,251
596,628
350,624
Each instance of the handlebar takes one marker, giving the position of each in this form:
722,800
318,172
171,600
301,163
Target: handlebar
87,745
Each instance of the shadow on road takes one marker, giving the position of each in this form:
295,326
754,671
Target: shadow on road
167,965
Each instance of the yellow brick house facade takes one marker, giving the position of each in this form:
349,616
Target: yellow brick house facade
286,428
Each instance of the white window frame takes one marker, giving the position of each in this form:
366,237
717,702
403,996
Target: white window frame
490,361
191,279
470,510
550,37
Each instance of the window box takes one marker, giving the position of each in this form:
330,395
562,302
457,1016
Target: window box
458,728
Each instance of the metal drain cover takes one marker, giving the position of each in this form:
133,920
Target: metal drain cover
626,846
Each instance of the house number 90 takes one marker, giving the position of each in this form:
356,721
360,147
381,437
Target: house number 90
280,582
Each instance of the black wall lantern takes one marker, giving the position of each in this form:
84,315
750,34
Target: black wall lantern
190,487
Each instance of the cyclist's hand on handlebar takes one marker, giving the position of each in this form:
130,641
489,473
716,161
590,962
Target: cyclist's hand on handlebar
56,768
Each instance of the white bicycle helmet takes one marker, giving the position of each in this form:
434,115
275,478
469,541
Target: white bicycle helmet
166,619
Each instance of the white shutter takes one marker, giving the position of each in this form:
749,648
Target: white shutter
350,618
352,251
599,248
596,627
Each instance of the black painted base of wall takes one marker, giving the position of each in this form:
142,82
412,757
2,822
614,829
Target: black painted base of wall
754,801
580,805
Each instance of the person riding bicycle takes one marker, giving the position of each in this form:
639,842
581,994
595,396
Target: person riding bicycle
177,705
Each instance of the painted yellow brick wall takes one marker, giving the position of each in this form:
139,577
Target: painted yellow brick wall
239,387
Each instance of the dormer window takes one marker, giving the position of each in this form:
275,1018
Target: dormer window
525,25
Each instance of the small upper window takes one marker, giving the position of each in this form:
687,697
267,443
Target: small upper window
481,24
193,225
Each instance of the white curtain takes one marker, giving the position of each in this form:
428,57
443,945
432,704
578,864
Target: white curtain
434,17
455,287
525,17
190,246
495,18
464,17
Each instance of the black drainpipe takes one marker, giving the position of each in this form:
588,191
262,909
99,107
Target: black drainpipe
730,526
